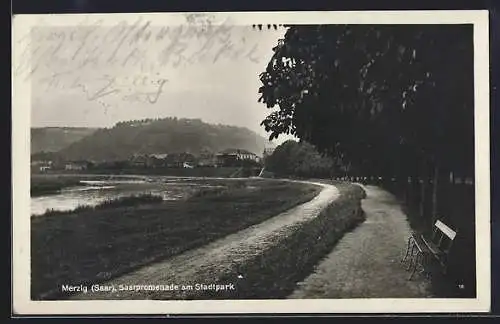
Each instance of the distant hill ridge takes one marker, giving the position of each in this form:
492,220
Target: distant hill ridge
53,139
156,136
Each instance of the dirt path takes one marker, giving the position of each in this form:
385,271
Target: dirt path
365,263
222,257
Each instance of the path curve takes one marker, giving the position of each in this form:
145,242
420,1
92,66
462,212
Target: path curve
219,257
365,263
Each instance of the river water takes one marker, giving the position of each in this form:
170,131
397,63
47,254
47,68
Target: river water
93,192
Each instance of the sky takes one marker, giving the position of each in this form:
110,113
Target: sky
95,76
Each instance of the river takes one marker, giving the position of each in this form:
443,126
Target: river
95,191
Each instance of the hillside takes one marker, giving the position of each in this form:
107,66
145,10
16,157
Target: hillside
161,136
53,139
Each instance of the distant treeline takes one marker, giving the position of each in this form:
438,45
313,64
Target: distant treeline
300,159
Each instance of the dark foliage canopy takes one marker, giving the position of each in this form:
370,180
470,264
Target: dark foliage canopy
382,97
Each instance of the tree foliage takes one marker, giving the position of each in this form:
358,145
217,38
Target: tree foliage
292,158
384,98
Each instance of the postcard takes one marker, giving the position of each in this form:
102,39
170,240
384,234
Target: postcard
251,162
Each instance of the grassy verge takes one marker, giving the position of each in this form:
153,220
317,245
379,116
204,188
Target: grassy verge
91,245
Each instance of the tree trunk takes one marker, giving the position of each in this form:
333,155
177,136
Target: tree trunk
423,184
408,182
423,181
434,194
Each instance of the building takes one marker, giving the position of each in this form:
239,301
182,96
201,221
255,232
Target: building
207,159
178,160
231,157
148,160
44,168
226,159
157,160
41,166
158,156
76,165
241,154
139,161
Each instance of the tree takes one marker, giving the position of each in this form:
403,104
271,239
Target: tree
292,158
390,100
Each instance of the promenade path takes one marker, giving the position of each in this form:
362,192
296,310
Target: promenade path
365,263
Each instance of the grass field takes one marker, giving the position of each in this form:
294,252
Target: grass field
90,245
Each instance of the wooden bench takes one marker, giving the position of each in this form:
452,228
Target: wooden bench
440,243
420,249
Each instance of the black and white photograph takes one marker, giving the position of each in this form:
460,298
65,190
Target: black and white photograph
251,162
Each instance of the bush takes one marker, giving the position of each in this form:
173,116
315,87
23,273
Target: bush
299,159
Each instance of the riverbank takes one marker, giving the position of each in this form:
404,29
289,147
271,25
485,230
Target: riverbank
53,182
91,246
49,185
43,184
213,172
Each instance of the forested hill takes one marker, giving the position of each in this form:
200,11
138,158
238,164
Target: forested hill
53,139
151,136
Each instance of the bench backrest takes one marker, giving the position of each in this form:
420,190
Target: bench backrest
441,230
